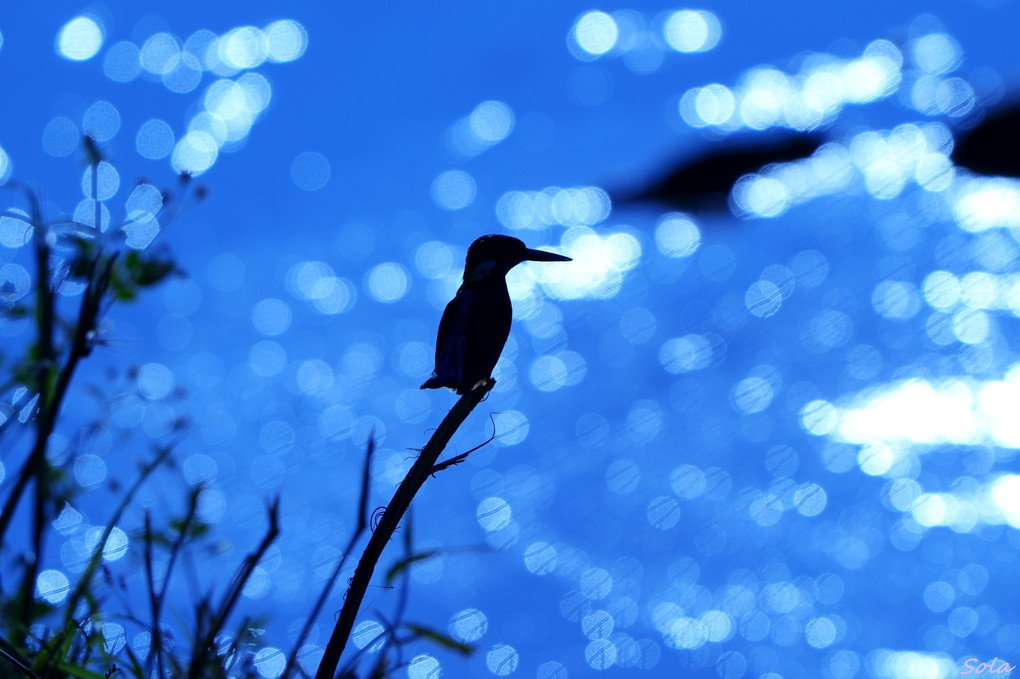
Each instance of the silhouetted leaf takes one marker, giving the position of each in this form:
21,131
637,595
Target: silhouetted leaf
79,672
398,568
16,311
439,638
195,529
154,270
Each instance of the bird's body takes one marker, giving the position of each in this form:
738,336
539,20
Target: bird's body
476,323
474,329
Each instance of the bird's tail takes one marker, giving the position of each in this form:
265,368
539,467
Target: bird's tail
438,382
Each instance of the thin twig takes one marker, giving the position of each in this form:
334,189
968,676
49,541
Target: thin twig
157,599
155,637
366,478
409,487
176,549
11,655
204,645
97,555
457,459
47,360
363,518
51,385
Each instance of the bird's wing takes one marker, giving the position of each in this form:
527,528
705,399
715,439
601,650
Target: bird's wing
449,370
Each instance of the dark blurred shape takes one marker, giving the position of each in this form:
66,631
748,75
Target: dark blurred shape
993,147
704,182
93,155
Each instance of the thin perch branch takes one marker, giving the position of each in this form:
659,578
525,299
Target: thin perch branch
409,487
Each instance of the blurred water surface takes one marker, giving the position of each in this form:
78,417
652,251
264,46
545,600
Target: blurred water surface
775,441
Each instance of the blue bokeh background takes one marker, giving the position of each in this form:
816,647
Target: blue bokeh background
774,445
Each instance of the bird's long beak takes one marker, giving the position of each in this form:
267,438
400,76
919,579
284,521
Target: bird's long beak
543,256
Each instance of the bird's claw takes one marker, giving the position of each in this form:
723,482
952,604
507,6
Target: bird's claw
484,382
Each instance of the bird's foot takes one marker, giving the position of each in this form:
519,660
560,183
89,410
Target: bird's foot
484,382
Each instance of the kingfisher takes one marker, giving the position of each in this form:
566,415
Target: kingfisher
476,323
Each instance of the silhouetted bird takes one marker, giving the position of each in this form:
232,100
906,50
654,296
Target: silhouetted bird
476,322
704,182
993,147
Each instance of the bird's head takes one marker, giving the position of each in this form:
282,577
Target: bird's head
495,255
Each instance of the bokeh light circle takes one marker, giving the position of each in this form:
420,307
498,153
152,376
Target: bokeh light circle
453,190
160,53
195,153
60,137
101,121
243,47
502,660
692,30
468,625
491,121
424,667
595,33
271,317
676,235
52,586
285,40
763,298
388,282
310,171
122,62
155,139
80,39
